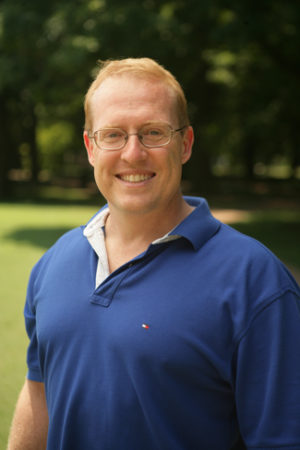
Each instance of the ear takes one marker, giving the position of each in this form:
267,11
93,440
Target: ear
90,147
187,144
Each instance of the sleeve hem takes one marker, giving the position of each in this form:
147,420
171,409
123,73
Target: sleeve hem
34,375
279,447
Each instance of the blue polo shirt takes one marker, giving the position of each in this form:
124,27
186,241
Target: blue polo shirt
191,345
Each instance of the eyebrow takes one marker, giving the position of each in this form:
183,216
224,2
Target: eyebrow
150,122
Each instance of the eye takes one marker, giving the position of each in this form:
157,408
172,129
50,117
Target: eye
111,134
153,131
153,134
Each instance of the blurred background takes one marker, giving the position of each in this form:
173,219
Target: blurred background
238,63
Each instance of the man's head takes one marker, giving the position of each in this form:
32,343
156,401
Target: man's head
129,108
142,68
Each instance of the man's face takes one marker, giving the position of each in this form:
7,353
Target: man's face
136,179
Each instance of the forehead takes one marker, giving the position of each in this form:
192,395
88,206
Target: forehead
126,98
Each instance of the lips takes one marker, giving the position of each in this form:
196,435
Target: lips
135,178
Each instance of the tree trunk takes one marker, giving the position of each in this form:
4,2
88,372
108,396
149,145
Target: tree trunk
249,156
5,150
31,140
198,171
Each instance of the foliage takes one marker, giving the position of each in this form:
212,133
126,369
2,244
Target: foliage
238,63
54,140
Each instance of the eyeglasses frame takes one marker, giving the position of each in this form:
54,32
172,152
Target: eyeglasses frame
172,132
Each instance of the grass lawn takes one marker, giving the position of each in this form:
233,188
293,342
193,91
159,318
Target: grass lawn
27,230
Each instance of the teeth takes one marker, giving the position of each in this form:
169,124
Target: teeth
135,178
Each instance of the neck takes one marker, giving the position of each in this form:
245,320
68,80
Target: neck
130,234
130,227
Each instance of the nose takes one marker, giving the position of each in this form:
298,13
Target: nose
133,150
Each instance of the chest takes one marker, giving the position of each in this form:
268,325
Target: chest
146,313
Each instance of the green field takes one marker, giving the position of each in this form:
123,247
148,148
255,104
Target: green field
27,230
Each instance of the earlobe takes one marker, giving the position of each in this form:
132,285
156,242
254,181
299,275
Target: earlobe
188,141
89,145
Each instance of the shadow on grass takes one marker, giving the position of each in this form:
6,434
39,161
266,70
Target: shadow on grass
38,237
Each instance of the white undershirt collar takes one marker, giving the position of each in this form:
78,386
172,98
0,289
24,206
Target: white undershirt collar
95,234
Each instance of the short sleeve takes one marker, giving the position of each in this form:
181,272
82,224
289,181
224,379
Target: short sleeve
34,372
267,384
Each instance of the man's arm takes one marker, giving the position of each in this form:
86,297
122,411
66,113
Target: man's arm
30,423
267,384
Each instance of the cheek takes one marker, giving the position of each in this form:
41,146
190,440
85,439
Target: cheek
104,167
175,161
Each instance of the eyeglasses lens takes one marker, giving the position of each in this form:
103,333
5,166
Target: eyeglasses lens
149,135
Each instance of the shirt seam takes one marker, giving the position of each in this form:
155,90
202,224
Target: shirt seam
276,446
267,303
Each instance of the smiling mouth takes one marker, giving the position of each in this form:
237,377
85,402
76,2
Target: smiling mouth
136,178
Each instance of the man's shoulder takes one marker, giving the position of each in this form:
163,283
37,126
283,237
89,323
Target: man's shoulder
69,239
234,257
242,245
74,238
248,260
68,254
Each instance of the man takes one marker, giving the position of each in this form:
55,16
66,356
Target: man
156,326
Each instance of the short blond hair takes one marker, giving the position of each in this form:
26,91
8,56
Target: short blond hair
144,68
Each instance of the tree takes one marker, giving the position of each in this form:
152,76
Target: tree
238,64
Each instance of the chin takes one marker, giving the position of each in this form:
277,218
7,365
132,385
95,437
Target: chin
137,207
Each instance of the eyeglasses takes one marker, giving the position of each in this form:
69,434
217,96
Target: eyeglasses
151,136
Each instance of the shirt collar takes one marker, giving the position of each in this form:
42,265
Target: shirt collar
199,226
96,222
